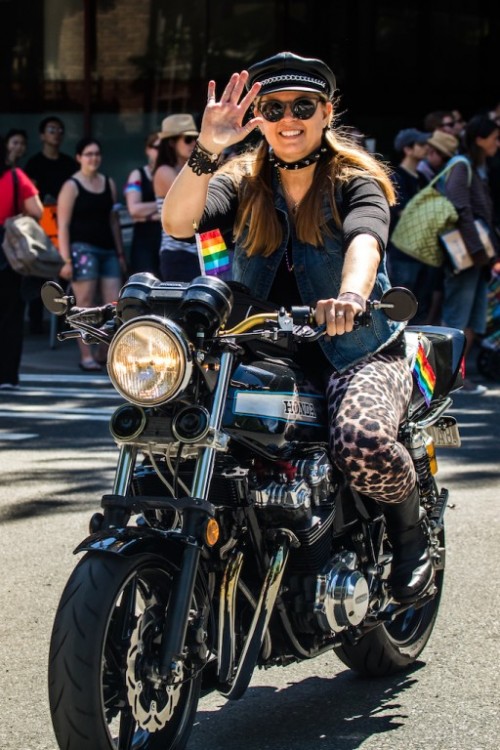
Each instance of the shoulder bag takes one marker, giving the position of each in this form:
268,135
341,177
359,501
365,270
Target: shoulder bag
456,249
425,217
26,246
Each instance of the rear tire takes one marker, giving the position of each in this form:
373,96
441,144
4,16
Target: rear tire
106,635
394,646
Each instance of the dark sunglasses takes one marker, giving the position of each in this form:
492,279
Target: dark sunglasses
189,139
448,124
303,108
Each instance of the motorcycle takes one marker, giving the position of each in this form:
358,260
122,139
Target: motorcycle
229,540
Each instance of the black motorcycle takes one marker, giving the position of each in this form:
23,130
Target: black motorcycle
229,540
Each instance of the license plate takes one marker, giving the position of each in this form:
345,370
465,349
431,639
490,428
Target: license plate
445,433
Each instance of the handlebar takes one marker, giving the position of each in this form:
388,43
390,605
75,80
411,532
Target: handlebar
99,323
94,316
300,321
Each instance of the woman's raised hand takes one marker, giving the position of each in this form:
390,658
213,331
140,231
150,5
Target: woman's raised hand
222,120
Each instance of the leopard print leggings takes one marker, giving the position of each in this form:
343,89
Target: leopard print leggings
365,407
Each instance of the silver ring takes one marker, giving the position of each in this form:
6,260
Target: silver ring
339,314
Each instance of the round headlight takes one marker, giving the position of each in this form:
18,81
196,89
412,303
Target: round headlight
149,361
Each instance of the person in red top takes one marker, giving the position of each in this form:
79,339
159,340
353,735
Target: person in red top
16,196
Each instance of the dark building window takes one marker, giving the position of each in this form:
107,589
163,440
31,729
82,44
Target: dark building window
117,67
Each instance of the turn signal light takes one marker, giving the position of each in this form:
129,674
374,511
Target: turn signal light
212,532
431,452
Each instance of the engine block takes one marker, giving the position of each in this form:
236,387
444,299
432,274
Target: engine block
296,487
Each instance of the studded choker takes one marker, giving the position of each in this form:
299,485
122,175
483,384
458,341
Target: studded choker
311,158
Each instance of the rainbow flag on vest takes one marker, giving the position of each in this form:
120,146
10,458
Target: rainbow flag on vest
424,374
212,252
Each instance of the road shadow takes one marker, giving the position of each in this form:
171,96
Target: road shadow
45,506
333,714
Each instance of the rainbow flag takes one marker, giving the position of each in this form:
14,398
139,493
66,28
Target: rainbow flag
213,253
424,374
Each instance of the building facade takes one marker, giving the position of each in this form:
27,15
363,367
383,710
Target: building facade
115,68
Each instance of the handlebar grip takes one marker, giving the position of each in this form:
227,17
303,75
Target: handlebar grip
94,315
363,319
302,315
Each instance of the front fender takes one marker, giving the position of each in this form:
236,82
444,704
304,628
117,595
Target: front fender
134,540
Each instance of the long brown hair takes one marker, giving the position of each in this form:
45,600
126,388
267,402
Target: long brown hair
167,155
257,217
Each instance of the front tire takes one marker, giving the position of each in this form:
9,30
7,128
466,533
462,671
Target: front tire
105,642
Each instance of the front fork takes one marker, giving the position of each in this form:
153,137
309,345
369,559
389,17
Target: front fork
193,522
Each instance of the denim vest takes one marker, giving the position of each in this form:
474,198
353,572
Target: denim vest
318,272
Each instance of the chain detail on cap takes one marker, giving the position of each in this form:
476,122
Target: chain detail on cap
293,77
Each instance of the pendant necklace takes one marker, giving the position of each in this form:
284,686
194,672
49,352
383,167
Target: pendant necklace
292,204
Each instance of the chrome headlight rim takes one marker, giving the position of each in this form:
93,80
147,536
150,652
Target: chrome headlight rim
177,335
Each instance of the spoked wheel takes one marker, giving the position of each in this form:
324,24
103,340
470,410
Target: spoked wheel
103,686
396,645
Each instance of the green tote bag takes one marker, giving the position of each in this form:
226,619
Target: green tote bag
427,215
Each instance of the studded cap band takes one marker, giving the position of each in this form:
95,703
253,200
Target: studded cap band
291,78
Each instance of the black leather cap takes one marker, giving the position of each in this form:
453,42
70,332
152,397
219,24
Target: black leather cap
289,72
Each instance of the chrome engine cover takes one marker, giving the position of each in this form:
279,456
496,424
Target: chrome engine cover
296,486
342,595
291,495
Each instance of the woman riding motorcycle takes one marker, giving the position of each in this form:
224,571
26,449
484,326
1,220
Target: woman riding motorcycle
309,211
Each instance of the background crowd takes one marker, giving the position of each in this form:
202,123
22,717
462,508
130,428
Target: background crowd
76,203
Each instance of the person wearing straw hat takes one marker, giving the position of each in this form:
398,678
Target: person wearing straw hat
441,147
466,186
178,258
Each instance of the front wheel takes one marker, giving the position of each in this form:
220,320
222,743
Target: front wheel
104,690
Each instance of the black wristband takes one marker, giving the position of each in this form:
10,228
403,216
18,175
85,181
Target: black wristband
353,297
202,161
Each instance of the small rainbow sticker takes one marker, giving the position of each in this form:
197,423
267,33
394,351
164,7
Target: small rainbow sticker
213,253
424,374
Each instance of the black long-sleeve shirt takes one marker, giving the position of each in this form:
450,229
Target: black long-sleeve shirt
362,206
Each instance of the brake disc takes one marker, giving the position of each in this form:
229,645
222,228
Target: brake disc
152,702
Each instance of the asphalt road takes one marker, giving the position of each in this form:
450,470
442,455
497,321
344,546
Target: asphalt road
57,459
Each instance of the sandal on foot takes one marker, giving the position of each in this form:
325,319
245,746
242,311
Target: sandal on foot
90,365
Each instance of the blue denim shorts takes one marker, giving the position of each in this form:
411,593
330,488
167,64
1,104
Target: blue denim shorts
91,262
465,299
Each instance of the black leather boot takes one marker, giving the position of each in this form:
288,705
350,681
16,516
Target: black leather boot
412,571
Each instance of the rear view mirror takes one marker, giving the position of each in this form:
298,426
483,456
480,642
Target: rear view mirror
55,300
399,304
